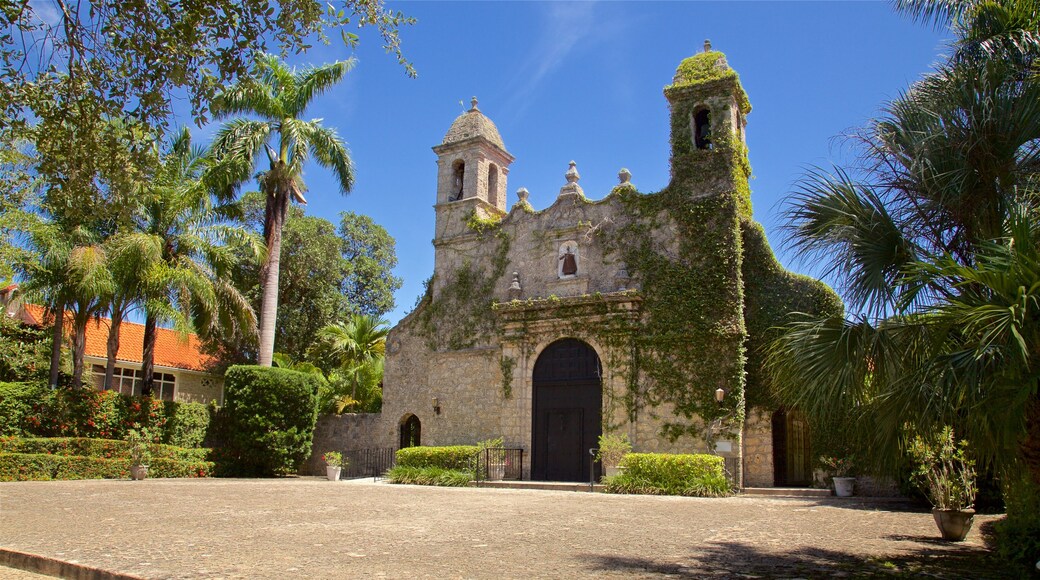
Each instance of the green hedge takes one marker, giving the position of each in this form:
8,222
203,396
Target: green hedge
665,474
429,476
100,448
454,457
42,467
268,420
32,410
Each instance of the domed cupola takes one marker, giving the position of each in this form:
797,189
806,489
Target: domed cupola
473,162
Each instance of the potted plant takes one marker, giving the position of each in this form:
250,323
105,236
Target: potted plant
841,474
139,454
333,464
946,472
612,448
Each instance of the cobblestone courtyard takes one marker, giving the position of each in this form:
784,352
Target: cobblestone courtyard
317,529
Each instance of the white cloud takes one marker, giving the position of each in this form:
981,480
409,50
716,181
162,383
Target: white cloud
46,10
566,26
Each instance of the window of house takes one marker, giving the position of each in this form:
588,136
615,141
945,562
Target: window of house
129,381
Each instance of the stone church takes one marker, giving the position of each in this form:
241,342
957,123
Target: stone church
637,313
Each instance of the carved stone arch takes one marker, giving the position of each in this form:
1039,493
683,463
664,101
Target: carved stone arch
567,410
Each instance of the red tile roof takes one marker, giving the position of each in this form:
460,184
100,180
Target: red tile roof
171,348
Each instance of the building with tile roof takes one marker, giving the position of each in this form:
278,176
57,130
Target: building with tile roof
182,371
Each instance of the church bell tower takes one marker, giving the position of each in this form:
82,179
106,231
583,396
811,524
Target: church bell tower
472,166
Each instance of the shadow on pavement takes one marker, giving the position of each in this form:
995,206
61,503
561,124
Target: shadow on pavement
735,559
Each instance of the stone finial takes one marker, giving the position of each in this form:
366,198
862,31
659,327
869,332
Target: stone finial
473,103
707,48
522,193
515,290
624,176
572,187
572,173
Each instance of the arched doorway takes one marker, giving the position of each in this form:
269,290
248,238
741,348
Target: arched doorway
567,415
792,456
411,431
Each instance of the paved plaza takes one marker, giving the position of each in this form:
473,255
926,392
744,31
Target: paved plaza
307,527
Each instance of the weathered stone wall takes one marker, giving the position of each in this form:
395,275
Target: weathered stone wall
758,448
193,388
342,433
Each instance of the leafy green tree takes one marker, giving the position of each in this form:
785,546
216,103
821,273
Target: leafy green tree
278,97
368,251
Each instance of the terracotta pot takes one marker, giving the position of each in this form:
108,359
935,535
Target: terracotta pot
138,472
332,472
954,524
844,486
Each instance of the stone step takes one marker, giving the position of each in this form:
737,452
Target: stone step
787,491
542,485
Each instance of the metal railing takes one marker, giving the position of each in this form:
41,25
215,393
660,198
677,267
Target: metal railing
499,463
368,462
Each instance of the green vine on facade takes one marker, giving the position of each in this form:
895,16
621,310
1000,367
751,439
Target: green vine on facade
507,364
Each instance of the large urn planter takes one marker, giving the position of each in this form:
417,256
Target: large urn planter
332,472
138,472
844,486
954,524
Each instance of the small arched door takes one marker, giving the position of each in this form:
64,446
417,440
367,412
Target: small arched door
792,456
567,414
411,432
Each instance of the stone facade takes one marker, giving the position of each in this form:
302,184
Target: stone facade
510,285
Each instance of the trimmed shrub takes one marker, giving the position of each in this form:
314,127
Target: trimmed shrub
100,448
270,415
187,424
429,476
43,467
15,405
665,474
454,457
1018,534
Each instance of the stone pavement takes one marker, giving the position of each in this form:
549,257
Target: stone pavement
307,527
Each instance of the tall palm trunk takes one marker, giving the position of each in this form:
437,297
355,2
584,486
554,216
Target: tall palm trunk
58,337
274,218
79,347
148,355
113,346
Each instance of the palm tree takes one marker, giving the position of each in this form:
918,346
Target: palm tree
185,225
353,348
931,241
278,97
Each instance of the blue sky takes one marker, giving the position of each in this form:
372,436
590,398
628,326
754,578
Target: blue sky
583,81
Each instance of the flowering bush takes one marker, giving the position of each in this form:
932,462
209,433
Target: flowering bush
334,459
32,410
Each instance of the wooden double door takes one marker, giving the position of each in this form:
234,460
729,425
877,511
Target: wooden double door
792,453
567,414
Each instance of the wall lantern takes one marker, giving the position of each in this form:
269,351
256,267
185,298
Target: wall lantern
436,406
719,395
